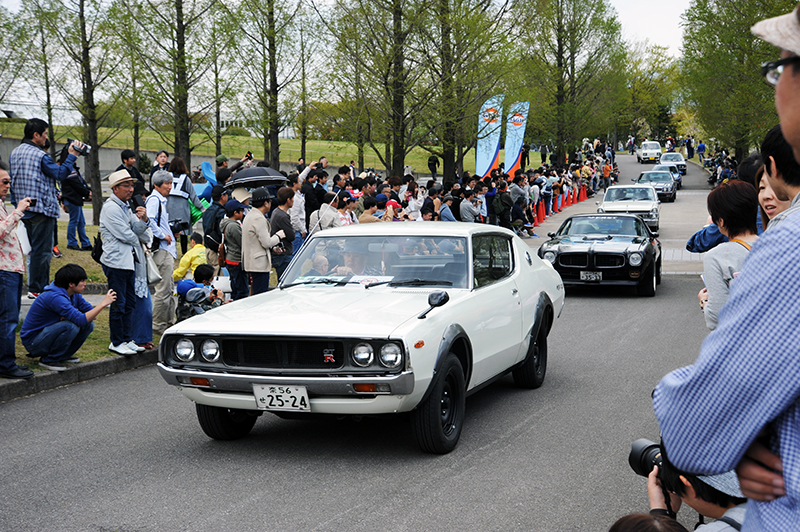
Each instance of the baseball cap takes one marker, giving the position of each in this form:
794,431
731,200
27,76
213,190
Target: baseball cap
232,205
393,204
221,159
782,31
725,482
382,197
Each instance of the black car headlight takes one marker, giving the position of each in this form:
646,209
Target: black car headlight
635,259
549,256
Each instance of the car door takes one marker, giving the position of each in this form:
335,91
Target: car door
495,326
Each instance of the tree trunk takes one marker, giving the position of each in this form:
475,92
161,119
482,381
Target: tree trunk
274,123
303,100
48,105
182,142
398,92
448,92
89,113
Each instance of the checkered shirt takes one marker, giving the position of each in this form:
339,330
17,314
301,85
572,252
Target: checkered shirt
34,175
746,378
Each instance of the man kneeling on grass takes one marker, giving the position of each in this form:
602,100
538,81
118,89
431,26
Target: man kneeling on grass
60,320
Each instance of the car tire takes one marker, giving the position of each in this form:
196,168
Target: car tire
438,420
531,373
647,286
225,423
658,272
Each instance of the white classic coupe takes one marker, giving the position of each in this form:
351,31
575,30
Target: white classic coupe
382,318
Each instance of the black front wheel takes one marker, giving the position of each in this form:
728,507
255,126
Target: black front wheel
647,286
225,423
531,373
438,420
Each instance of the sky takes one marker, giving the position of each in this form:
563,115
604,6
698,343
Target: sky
658,21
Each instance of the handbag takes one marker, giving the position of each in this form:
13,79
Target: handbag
153,275
97,248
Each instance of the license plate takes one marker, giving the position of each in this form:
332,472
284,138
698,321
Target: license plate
591,276
294,398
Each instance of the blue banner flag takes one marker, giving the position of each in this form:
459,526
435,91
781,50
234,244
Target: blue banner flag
487,150
515,136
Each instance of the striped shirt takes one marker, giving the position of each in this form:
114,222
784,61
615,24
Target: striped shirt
747,378
35,175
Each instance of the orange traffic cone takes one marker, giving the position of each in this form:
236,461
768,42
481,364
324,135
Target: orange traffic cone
575,200
540,212
569,198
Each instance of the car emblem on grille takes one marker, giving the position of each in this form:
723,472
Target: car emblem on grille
327,355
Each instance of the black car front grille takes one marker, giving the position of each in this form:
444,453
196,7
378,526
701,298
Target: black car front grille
607,260
575,260
283,353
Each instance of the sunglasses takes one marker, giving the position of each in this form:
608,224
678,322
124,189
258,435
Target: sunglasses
772,70
5,181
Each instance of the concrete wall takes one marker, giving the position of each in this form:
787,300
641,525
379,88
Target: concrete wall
110,158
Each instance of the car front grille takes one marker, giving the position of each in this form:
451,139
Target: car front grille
575,260
607,260
283,353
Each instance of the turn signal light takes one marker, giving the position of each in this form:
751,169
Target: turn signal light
199,381
364,388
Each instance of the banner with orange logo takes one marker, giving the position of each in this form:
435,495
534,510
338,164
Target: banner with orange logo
487,151
515,136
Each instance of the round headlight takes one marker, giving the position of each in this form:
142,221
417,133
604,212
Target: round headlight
391,356
363,355
635,259
210,351
550,256
184,350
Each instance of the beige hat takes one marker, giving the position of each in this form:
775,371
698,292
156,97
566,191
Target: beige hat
782,31
120,176
240,194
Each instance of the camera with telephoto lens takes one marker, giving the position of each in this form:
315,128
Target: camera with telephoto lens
85,150
645,455
177,227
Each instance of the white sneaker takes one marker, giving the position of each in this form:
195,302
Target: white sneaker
121,349
132,345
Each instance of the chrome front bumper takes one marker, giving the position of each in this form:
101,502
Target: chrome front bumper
399,383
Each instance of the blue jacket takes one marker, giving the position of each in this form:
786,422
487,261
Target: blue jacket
53,305
706,238
446,214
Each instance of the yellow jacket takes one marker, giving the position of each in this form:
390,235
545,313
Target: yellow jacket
190,260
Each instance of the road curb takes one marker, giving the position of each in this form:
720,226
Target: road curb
11,389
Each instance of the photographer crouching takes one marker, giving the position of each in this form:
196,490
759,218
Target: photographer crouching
714,496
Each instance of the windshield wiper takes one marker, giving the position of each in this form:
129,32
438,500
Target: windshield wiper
411,282
321,280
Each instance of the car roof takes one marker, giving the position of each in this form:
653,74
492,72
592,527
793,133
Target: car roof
672,154
632,185
424,229
655,172
606,215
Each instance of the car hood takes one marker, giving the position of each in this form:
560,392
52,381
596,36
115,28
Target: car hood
597,243
628,206
316,311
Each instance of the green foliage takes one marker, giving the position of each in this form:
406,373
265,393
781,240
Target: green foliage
145,164
721,69
236,131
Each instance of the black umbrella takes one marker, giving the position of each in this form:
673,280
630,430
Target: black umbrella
257,176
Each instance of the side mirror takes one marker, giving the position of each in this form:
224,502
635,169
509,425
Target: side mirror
633,179
654,233
435,299
597,203
551,235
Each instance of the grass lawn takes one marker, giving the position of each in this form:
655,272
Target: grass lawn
338,152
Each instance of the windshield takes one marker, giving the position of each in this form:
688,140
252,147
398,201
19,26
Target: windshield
665,168
655,177
651,146
373,260
672,157
605,225
630,194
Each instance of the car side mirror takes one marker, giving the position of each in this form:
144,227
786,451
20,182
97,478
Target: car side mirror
654,233
551,235
435,299
633,179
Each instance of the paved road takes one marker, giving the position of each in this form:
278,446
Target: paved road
125,452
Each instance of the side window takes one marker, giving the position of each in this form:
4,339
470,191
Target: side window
491,259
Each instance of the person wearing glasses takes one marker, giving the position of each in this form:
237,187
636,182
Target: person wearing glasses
121,230
738,405
12,266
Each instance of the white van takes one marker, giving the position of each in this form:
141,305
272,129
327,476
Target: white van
649,151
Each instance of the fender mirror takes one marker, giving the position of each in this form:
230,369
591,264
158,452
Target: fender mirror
435,299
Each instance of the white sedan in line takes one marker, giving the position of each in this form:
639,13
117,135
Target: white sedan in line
380,318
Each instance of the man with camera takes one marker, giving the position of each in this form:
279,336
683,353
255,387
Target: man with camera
164,250
34,175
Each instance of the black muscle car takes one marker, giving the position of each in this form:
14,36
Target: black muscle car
615,249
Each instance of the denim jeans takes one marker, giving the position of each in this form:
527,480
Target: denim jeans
240,288
142,322
297,243
260,282
120,314
77,223
280,263
40,230
10,295
547,199
59,341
